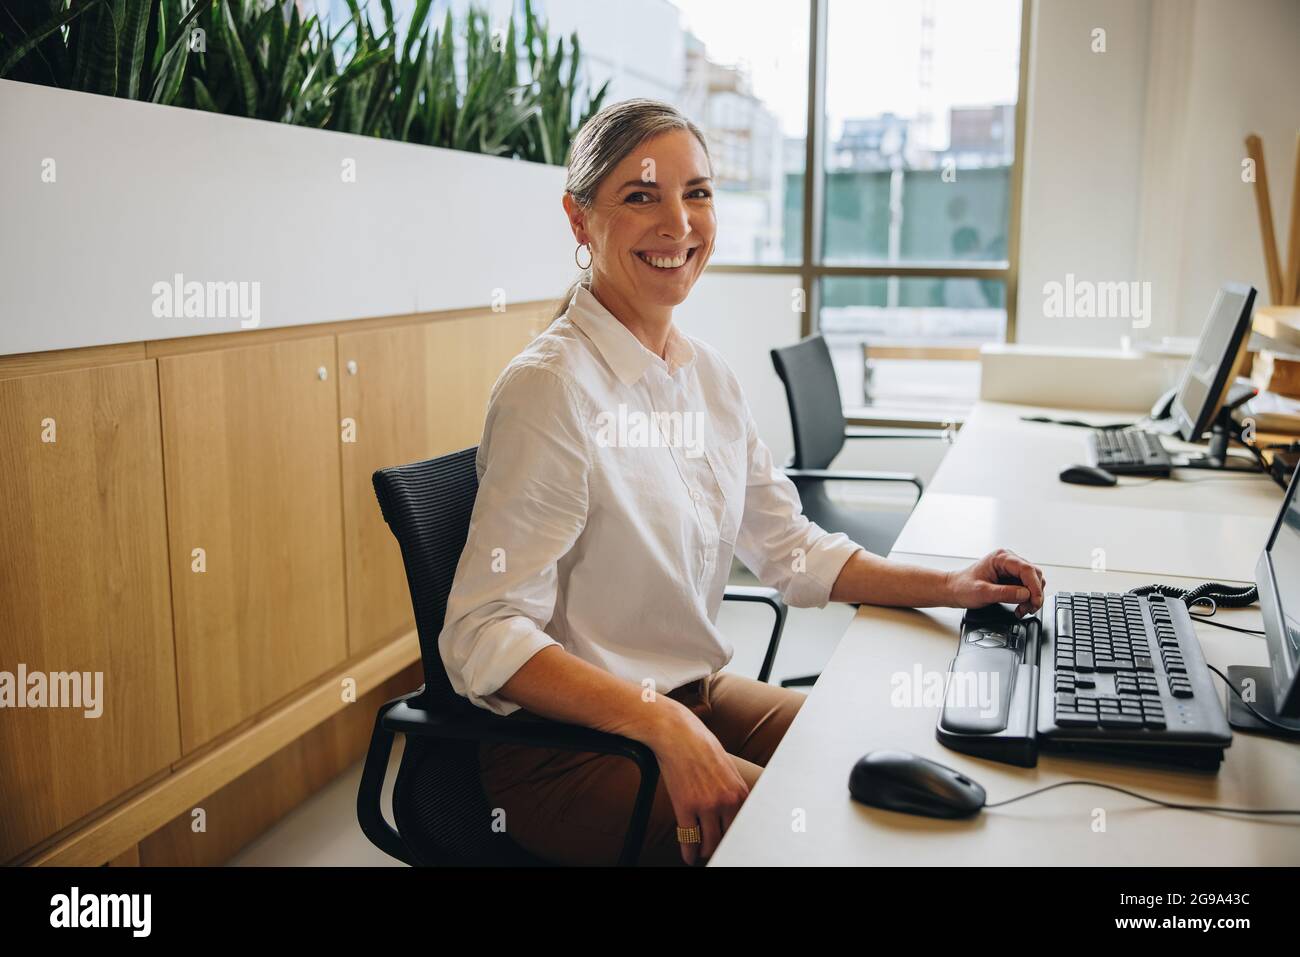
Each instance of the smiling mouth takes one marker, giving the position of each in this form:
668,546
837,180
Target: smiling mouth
665,263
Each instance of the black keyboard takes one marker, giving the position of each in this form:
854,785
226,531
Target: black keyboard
1128,452
1115,676
1121,673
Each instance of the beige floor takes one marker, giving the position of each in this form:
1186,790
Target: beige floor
323,831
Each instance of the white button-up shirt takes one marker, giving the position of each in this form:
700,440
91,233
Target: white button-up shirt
614,488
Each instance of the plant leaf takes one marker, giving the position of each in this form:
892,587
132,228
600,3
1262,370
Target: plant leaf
202,98
101,61
245,86
135,29
44,30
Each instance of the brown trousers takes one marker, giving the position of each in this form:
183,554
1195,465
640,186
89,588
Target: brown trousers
574,808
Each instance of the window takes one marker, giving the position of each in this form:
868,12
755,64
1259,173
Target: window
918,154
909,347
746,86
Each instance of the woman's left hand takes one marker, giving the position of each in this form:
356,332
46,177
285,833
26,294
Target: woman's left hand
1000,576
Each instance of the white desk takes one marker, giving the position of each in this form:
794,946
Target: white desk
998,487
849,713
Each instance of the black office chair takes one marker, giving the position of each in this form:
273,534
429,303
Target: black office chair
819,429
442,813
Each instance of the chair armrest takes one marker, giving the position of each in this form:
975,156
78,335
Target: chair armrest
534,732
369,813
764,596
397,716
897,434
838,475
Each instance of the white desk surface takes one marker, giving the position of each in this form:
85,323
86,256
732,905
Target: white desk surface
849,713
998,487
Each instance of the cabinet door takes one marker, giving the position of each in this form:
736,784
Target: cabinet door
251,445
411,393
468,355
83,589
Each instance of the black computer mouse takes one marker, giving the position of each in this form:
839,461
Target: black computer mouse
1087,475
906,782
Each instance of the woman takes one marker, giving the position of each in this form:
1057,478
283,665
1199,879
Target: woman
620,469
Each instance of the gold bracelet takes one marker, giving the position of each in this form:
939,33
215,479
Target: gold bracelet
688,835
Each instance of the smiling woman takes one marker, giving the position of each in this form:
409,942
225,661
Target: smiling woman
639,194
589,586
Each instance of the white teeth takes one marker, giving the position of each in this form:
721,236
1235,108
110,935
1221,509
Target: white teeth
662,263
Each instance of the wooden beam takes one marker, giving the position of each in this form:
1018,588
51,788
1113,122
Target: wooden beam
1255,150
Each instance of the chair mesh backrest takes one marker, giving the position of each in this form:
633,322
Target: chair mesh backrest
439,804
428,505
813,392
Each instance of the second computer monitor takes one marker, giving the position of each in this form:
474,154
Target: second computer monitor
1211,371
1278,577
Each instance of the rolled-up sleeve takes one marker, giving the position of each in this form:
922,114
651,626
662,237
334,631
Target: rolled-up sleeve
777,542
533,466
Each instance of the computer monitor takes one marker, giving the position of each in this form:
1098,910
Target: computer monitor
1276,688
1214,366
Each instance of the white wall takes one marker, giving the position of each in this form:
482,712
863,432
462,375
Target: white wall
1133,156
144,192
1082,158
1246,78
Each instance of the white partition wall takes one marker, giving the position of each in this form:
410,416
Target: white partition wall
103,199
745,317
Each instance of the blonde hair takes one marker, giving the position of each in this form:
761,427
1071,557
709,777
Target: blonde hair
604,141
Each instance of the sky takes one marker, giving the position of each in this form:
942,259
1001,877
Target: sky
873,53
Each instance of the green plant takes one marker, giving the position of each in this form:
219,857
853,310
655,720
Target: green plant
130,48
547,139
428,106
263,59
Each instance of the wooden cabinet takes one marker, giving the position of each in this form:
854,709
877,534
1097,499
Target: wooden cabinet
200,529
411,393
83,589
251,446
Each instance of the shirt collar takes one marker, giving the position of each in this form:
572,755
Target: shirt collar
619,347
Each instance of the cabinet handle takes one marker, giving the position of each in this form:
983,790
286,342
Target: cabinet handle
352,367
322,373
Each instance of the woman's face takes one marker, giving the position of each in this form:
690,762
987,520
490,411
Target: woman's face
656,206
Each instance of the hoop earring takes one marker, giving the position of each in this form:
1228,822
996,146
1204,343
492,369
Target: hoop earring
589,256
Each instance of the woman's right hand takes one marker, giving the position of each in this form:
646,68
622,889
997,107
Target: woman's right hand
701,779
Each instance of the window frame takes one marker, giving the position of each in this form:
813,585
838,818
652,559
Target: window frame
811,269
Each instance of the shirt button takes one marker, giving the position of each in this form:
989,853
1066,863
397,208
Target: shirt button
696,495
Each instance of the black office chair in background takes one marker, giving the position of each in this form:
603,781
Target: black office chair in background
442,813
819,430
